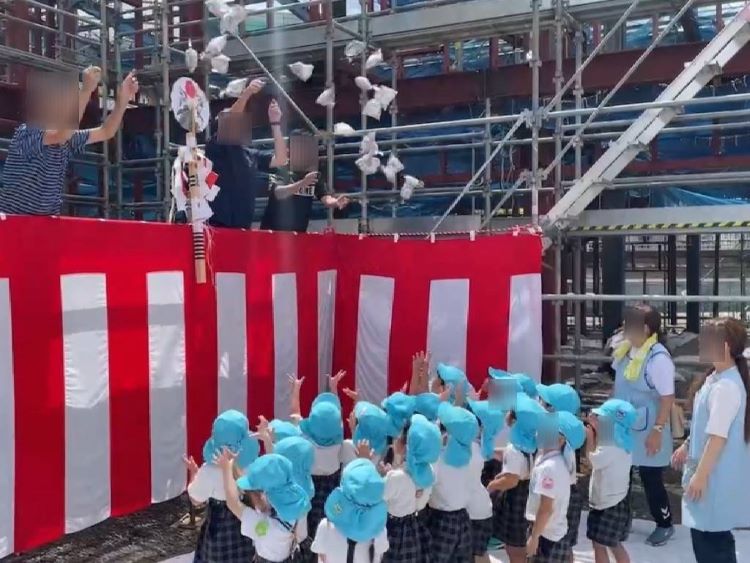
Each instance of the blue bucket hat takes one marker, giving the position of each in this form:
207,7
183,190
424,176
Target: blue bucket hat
492,421
462,428
373,425
622,415
283,429
528,413
455,377
273,474
301,453
571,428
356,507
399,407
323,426
423,445
427,405
527,384
560,397
231,430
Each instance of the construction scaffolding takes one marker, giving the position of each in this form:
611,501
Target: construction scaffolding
555,126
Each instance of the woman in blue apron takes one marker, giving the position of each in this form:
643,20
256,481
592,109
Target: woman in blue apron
644,376
716,457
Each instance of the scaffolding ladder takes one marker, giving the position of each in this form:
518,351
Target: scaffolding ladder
696,74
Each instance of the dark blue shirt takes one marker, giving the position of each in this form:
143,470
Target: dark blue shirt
291,213
243,173
34,173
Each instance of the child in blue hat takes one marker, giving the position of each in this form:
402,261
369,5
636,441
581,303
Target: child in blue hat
370,423
609,443
399,407
324,428
220,535
559,397
354,527
549,490
447,517
408,485
276,520
510,489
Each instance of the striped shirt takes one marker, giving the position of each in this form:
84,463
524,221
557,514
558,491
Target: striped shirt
34,173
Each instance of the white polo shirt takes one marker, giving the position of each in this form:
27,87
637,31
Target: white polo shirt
208,483
401,494
610,476
480,504
271,539
550,478
453,487
327,459
331,543
516,463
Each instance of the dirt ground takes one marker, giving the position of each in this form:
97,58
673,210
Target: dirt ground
159,532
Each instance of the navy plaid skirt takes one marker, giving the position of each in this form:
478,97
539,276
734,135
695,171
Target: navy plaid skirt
610,526
575,507
509,519
451,535
220,539
481,532
408,539
550,552
324,485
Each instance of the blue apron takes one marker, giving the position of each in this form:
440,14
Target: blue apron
645,398
725,501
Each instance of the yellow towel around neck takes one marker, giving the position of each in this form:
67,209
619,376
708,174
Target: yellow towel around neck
633,369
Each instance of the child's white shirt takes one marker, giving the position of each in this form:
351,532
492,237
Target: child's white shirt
550,477
610,476
515,462
208,483
401,494
349,454
480,504
327,459
272,540
453,487
333,545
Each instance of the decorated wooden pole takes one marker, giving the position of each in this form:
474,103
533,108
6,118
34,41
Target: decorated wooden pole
193,192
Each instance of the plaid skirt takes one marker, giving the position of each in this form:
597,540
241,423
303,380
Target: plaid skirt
451,535
550,552
610,526
509,519
324,485
408,539
220,539
481,532
575,507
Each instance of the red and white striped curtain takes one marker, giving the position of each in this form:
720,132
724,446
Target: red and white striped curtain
114,363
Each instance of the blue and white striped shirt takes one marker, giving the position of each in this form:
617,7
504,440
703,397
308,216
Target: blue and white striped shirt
34,173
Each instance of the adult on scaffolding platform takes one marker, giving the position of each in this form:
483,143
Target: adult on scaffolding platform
41,148
242,170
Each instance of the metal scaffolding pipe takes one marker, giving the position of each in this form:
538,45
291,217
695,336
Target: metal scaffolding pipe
578,297
596,360
658,39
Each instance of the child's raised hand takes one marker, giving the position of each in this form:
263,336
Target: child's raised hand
351,393
364,450
296,381
333,381
225,459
